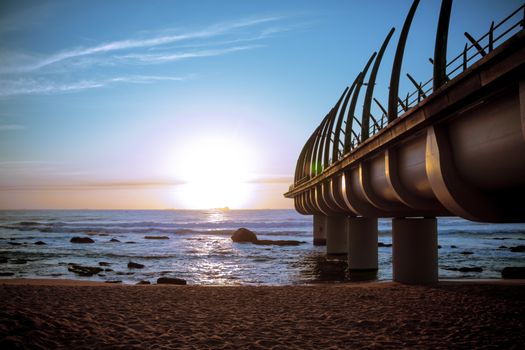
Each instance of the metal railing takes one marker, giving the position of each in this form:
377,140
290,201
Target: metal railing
476,49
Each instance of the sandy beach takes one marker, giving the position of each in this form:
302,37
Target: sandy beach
76,315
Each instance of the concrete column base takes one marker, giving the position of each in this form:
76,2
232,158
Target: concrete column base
362,244
336,227
414,250
319,230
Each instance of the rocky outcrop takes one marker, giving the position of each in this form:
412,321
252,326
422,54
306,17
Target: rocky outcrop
81,240
513,272
171,280
133,265
243,235
85,271
518,249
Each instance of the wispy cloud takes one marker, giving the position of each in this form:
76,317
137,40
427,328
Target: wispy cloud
44,86
162,58
9,127
133,44
90,67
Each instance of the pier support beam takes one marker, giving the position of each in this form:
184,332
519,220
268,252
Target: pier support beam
414,250
336,228
362,244
319,230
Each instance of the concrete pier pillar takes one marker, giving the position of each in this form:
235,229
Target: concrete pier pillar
414,250
336,228
319,230
362,243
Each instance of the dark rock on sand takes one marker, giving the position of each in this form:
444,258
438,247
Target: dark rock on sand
144,282
133,265
244,235
6,274
513,272
381,244
114,240
156,237
40,243
465,269
518,249
171,280
84,270
81,240
103,263
466,253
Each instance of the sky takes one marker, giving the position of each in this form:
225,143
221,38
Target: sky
188,104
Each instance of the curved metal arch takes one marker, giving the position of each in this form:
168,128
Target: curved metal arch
300,160
367,104
328,135
318,155
337,132
308,154
440,50
351,109
302,163
315,146
396,66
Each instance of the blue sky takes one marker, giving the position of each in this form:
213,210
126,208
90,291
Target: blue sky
102,102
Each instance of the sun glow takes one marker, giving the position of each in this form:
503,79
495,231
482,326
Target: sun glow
216,173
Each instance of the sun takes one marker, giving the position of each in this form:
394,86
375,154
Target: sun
216,173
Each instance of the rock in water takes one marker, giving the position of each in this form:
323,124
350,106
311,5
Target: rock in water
244,235
513,272
114,240
132,265
40,243
171,280
81,240
518,249
156,237
84,270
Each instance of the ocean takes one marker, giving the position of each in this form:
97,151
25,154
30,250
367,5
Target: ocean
197,246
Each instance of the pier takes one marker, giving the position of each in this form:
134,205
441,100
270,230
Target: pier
453,147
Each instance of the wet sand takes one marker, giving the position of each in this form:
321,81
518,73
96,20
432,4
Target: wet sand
76,315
